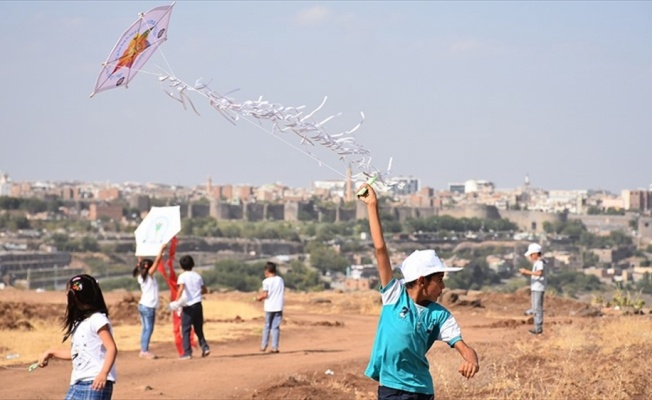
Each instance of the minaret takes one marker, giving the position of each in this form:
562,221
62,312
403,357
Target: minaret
527,182
348,183
209,187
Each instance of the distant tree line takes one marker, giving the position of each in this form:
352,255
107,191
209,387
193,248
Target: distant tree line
451,224
577,233
31,205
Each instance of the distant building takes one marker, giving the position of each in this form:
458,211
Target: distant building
404,185
456,188
332,188
99,211
482,186
637,200
108,194
5,184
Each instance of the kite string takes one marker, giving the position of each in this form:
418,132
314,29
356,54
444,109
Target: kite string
183,97
270,132
160,50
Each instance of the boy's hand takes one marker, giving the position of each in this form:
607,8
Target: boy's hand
369,196
524,271
468,369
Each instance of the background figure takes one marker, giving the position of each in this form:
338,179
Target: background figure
538,283
411,320
191,285
93,350
148,300
273,289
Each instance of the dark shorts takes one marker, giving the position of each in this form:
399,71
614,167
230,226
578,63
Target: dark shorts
84,391
385,393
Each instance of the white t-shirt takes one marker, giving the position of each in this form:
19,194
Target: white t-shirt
193,283
538,283
149,288
87,351
274,286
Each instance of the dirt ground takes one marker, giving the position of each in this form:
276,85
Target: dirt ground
326,340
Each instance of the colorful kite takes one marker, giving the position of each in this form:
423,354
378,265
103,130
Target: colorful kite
144,37
134,48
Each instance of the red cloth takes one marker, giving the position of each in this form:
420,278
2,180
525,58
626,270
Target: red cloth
171,279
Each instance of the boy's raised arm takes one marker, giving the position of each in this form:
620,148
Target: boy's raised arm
382,255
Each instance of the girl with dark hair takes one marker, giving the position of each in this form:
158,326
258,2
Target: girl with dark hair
148,303
93,350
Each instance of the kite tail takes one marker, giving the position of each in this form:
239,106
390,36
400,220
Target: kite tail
171,279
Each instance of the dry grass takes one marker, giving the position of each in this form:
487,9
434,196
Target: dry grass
333,303
222,325
597,359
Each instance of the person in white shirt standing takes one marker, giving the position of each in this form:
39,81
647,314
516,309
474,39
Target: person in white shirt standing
272,294
538,283
92,349
148,303
191,285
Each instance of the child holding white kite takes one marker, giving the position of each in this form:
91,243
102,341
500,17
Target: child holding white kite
149,301
93,350
411,319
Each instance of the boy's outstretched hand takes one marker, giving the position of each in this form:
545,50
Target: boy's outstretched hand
468,369
368,196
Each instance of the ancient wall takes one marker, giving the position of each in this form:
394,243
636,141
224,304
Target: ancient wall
531,221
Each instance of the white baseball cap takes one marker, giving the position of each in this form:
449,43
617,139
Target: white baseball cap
423,263
533,248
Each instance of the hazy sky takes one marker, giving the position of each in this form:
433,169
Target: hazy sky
451,90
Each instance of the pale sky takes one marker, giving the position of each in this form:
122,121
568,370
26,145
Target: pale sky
452,91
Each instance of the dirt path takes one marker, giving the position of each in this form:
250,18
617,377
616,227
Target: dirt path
238,369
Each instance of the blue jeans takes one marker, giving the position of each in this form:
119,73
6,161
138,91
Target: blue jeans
272,323
83,391
537,309
147,319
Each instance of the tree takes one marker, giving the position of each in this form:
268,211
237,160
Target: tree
300,277
573,282
474,276
327,259
234,274
645,283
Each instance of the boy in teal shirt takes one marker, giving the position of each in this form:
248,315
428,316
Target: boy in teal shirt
411,320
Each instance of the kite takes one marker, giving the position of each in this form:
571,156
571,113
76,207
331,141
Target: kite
139,42
157,228
134,48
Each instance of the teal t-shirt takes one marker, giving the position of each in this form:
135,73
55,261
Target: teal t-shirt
405,333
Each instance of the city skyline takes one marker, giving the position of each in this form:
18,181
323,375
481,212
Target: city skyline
451,91
5,178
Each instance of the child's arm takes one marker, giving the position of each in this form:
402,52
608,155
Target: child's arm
111,353
180,292
62,354
204,289
382,255
470,366
532,273
157,260
262,296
